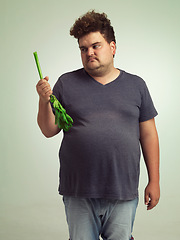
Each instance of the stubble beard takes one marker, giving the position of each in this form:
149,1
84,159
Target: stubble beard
94,69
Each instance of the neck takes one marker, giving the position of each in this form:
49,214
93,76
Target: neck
107,77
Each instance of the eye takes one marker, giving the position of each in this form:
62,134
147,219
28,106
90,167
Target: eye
83,50
96,46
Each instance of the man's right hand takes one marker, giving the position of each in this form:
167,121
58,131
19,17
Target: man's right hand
46,118
44,90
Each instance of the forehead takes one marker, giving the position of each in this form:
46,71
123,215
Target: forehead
90,39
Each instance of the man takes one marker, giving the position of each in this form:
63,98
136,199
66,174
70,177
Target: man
99,156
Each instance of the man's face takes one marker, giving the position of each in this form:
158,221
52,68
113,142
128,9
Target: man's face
96,53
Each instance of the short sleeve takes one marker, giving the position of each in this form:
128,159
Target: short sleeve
58,92
147,109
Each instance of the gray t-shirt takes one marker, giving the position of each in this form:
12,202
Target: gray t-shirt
100,154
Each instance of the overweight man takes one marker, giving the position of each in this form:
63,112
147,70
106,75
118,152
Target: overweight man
113,116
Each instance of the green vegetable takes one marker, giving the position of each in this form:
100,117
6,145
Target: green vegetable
38,65
62,119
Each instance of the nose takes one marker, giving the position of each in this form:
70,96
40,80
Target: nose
90,51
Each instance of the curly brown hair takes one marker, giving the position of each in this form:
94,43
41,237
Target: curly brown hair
93,22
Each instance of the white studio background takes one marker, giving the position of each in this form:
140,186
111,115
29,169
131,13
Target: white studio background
148,36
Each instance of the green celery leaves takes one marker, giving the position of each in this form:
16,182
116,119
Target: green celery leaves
62,119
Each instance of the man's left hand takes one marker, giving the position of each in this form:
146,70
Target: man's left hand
152,195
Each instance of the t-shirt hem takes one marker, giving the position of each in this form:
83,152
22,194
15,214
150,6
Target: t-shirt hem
146,118
103,196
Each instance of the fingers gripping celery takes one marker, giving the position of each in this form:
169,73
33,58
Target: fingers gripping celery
62,119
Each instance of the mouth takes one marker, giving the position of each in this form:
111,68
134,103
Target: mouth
91,59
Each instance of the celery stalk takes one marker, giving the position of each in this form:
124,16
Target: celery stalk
38,65
62,119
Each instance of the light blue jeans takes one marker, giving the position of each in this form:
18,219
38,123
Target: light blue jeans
90,218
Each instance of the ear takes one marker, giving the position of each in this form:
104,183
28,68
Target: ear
113,47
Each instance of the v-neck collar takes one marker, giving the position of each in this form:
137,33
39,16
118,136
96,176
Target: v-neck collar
107,84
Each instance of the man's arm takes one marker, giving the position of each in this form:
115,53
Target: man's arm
150,148
46,118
